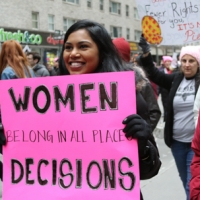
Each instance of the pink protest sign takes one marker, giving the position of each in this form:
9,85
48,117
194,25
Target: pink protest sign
65,139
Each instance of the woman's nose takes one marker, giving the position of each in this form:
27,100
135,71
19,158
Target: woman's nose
187,63
74,53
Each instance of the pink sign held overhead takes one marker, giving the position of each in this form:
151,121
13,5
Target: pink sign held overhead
65,139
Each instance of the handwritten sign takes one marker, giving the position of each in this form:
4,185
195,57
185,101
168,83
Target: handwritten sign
65,139
178,19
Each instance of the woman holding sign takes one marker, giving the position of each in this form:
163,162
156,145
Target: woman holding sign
182,87
88,48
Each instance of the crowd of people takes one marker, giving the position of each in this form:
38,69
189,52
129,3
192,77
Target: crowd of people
88,48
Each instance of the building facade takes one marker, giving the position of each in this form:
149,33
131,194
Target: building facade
40,25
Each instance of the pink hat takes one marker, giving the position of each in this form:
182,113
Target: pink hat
55,59
193,51
167,58
123,48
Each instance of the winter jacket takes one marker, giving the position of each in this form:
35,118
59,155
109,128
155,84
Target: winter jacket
170,82
9,73
40,70
164,95
195,165
152,104
150,167
54,72
143,85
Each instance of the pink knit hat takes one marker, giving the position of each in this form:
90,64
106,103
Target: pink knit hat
167,58
193,51
55,59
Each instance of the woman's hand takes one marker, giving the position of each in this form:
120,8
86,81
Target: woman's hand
144,46
138,128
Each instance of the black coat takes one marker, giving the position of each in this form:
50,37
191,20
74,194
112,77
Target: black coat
170,82
164,96
150,167
152,104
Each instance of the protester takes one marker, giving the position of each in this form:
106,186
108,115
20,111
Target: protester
13,65
39,69
143,85
88,48
54,71
195,165
13,62
182,87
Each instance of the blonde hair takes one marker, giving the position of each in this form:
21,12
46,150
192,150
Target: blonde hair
12,55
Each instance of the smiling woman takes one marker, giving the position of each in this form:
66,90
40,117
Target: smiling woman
88,48
88,45
81,53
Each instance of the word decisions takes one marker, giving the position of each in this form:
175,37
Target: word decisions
73,177
69,98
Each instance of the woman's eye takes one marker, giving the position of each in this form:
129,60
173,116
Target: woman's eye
67,47
83,46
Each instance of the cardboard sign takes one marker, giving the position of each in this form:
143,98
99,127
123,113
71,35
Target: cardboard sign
178,20
65,139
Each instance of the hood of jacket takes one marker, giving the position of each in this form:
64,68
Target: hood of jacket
140,78
38,66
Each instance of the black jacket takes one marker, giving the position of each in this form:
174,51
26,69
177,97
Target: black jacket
150,167
144,86
152,104
164,96
170,82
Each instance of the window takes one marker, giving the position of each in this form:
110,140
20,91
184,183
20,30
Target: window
51,22
127,10
136,15
137,35
35,20
115,7
128,33
72,1
101,3
89,3
115,31
67,22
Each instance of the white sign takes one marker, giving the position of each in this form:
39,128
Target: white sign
179,20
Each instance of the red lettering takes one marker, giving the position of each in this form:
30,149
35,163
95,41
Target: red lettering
190,36
180,29
50,40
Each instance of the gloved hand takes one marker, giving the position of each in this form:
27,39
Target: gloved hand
137,128
144,45
2,136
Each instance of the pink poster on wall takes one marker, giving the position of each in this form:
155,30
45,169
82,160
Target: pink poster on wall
65,139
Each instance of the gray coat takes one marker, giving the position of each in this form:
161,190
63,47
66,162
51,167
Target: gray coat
40,70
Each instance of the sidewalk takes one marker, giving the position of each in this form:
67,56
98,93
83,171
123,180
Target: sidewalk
166,186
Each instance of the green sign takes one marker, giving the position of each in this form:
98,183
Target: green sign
21,37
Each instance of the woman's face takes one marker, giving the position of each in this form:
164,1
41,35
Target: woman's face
81,54
167,64
189,65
